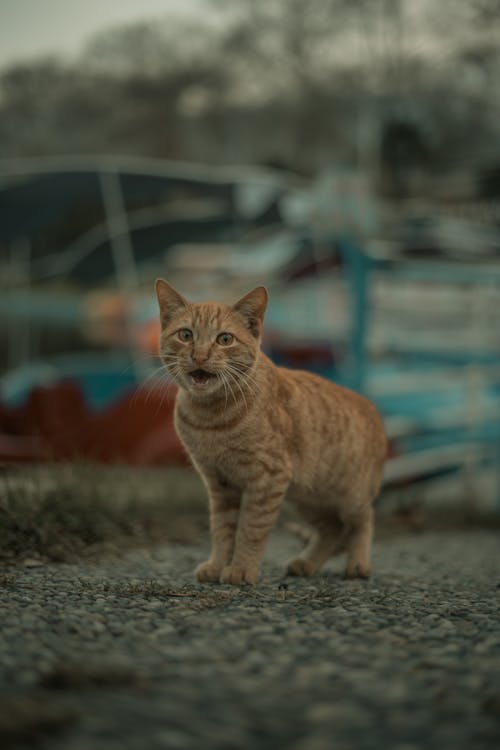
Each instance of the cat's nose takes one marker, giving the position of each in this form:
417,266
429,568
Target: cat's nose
200,357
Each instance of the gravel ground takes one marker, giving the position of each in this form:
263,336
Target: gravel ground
133,654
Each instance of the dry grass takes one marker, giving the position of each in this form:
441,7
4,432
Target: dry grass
408,510
63,512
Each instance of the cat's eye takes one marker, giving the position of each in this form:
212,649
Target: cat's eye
185,334
225,339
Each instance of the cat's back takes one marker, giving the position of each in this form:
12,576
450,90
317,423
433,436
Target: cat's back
336,437
326,409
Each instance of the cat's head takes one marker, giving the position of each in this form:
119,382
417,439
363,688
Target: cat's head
209,347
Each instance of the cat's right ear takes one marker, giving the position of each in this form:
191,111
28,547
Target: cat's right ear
252,308
169,300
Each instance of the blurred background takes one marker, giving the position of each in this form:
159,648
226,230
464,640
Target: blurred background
343,153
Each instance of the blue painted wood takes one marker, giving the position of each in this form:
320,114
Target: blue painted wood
357,267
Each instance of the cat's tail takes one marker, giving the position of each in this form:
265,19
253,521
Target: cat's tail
305,535
301,532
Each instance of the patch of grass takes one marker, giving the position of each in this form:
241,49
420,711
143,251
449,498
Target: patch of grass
408,511
62,512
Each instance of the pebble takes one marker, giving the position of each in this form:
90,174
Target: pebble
410,659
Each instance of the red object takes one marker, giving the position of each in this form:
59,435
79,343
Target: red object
56,424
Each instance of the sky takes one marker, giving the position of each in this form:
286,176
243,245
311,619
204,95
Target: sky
29,28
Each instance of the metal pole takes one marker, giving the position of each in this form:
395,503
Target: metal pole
19,333
121,247
118,230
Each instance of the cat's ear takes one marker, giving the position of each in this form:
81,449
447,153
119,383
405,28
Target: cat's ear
252,308
169,300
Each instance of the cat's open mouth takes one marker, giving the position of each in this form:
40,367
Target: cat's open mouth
201,378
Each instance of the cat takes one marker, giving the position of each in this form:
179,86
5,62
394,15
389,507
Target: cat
258,433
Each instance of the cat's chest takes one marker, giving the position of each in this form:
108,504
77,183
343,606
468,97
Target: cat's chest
208,441
228,460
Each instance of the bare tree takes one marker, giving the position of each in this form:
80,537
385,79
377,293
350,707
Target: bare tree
298,82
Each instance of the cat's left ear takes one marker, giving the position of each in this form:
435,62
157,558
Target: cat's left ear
169,300
252,307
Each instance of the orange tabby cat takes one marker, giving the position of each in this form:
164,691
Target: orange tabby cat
258,433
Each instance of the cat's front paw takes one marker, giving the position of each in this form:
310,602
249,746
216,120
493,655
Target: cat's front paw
207,572
300,567
238,574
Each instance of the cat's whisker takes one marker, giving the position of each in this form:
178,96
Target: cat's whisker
153,374
140,362
169,358
146,359
227,389
147,385
223,381
241,368
159,374
166,394
160,385
235,380
247,379
230,389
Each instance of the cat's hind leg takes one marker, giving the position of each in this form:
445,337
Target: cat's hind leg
359,541
328,540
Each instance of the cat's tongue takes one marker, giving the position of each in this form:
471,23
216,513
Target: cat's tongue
200,378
